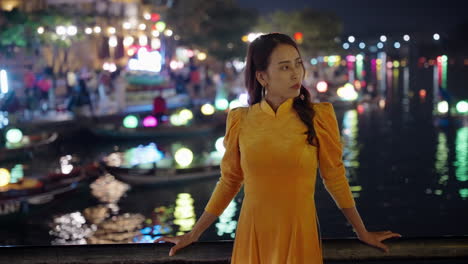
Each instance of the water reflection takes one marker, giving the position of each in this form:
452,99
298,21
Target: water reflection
351,148
461,154
184,213
226,224
441,162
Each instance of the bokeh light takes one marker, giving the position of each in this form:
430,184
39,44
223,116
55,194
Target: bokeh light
207,109
130,121
4,177
150,121
183,157
14,135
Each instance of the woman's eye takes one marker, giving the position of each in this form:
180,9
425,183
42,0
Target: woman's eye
284,67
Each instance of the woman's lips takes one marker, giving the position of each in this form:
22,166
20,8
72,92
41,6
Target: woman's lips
296,86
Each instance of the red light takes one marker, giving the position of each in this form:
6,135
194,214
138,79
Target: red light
422,93
155,17
360,109
298,37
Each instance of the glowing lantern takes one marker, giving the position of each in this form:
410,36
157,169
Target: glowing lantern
186,114
207,109
322,87
221,104
443,107
184,157
298,36
462,107
219,145
14,135
4,177
160,26
130,121
150,121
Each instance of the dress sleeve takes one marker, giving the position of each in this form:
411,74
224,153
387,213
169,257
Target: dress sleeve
330,154
232,177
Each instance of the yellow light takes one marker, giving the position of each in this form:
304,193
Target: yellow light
111,30
4,177
186,114
396,64
168,32
201,56
245,38
207,109
183,157
97,30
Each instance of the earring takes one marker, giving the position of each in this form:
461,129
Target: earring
302,97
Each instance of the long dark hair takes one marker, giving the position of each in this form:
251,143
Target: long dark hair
258,59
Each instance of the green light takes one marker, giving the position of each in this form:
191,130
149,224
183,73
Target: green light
462,107
461,154
359,57
221,104
14,135
160,26
396,64
463,193
444,72
444,58
130,121
355,188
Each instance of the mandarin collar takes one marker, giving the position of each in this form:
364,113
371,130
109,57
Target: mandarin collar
284,108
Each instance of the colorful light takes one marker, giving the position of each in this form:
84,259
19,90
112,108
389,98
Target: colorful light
422,93
3,81
346,45
168,32
298,36
362,45
380,45
443,107
234,104
462,107
130,121
160,26
155,17
221,104
347,92
176,120
14,135
183,157
397,45
322,87
186,114
207,109
219,145
201,56
4,177
150,121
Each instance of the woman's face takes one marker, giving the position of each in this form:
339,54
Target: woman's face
284,74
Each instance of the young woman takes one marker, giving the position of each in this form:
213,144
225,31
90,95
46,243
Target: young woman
274,148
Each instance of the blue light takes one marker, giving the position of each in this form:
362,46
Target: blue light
313,61
362,45
346,45
380,45
397,45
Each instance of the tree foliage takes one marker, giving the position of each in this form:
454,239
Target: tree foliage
319,29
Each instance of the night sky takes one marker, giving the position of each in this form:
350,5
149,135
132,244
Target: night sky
376,16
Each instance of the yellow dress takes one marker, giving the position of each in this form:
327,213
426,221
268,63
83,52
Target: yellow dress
268,153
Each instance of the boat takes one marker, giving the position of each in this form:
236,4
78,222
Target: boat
162,176
16,198
29,144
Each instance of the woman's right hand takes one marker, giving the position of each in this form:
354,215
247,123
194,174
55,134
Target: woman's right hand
179,241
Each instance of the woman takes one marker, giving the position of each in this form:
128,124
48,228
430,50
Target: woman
274,147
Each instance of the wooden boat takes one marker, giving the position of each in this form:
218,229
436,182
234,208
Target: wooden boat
34,143
145,177
16,198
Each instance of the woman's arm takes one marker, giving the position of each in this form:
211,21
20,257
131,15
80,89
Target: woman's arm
371,238
205,221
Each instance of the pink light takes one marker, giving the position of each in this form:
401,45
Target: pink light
150,121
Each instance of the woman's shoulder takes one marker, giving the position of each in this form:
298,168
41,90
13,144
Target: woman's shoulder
323,107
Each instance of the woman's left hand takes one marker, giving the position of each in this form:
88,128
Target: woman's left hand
375,238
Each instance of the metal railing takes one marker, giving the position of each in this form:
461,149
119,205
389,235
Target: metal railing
334,250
